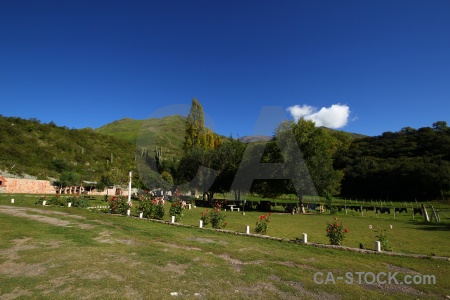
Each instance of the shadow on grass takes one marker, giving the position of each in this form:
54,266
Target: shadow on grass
431,226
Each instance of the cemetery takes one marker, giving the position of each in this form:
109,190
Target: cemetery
112,248
229,232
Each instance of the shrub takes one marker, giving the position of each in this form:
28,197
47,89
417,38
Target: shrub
56,200
151,208
383,238
78,201
336,232
205,217
262,225
176,210
329,204
119,205
159,211
40,200
217,217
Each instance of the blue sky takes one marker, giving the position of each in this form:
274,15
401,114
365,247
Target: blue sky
360,66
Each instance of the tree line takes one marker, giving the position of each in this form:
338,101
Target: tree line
405,165
305,160
300,154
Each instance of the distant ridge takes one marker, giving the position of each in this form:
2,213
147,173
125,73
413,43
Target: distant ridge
353,135
255,138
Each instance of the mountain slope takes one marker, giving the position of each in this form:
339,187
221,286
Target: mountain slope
167,132
46,150
352,134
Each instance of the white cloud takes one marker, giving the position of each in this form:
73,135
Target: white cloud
335,116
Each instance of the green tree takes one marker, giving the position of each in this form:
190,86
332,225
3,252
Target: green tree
317,146
405,165
225,159
440,126
195,127
167,177
69,178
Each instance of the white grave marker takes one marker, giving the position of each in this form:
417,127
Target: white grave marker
378,246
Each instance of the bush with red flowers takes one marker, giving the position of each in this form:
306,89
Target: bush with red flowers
217,217
151,208
262,225
336,232
205,217
176,209
119,205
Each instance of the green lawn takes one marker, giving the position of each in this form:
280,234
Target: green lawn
71,253
403,237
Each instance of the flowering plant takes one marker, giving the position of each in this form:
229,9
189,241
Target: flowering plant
205,217
151,208
262,225
119,205
382,237
217,217
336,232
176,210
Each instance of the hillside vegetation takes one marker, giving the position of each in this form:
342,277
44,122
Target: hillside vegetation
167,132
46,150
405,165
409,164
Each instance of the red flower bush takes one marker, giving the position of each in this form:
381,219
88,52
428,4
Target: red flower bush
262,225
336,232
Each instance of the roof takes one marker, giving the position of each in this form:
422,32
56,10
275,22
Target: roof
89,182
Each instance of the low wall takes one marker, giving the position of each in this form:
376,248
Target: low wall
27,186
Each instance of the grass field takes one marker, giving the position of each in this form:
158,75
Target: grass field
71,253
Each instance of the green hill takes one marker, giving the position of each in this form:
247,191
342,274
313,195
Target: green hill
167,132
29,147
352,134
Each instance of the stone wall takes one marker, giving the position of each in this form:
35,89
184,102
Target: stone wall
32,186
26,186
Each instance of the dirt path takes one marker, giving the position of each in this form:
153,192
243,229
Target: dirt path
42,215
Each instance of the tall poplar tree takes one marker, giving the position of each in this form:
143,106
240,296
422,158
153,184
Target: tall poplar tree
195,127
